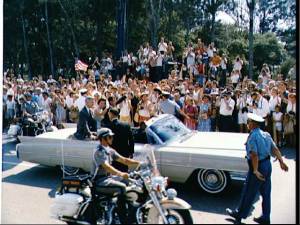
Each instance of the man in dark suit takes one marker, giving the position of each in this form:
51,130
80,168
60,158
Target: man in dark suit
123,141
87,125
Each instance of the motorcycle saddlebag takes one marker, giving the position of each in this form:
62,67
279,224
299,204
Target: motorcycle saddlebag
66,205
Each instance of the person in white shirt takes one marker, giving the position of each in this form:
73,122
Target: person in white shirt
162,46
291,106
46,103
190,60
39,96
277,118
241,105
125,110
80,102
235,77
261,107
274,100
238,64
227,104
10,108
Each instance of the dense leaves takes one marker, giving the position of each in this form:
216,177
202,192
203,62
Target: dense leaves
37,30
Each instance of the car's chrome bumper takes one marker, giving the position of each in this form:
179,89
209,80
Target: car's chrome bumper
240,176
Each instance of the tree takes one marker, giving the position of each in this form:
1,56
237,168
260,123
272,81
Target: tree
211,7
251,6
25,39
155,10
267,49
70,25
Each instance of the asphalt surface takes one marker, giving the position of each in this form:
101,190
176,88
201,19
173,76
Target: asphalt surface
28,191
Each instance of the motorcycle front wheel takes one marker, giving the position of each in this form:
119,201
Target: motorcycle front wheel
174,216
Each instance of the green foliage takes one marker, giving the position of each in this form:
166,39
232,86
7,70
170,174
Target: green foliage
287,65
267,49
94,25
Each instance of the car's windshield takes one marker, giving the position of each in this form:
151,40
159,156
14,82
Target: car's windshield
169,128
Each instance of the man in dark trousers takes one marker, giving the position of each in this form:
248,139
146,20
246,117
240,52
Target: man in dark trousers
123,141
87,125
259,148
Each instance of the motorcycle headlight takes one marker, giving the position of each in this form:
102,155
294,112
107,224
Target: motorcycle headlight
171,194
159,184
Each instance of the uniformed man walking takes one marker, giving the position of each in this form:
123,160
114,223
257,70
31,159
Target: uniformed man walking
259,148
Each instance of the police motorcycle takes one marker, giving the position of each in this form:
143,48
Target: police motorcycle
38,123
148,200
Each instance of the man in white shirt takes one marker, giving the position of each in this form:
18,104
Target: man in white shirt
46,102
226,123
261,107
80,102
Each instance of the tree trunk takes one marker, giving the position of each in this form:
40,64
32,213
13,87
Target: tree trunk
251,7
26,51
49,39
213,27
71,28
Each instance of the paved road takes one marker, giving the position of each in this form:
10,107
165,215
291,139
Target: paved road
28,190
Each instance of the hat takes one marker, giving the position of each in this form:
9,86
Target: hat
28,95
165,93
89,97
254,117
104,132
144,93
158,89
83,91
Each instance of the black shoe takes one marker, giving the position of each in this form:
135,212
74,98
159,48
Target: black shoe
261,220
234,214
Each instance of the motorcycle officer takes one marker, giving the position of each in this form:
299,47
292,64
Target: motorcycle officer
30,106
108,179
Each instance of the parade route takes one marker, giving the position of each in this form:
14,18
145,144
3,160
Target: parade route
28,190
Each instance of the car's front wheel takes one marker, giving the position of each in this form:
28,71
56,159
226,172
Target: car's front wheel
212,181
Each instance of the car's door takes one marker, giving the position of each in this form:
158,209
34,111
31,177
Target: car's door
174,163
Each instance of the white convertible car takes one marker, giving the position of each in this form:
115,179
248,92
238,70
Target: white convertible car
212,159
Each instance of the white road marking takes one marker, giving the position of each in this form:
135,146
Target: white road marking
23,164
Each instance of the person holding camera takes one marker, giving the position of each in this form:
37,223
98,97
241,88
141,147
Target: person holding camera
227,104
261,107
241,106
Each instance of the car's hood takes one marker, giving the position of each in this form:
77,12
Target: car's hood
212,140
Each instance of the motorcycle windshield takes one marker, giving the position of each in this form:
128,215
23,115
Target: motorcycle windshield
147,157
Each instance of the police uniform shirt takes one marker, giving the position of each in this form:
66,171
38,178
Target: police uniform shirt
169,107
31,107
261,143
103,155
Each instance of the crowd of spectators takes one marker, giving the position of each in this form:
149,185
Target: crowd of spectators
198,89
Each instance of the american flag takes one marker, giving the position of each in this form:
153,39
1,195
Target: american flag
79,65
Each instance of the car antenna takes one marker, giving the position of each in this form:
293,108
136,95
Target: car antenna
62,157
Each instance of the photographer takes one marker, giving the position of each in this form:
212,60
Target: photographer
226,123
241,106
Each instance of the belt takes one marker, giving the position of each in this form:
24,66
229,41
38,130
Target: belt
260,161
265,159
